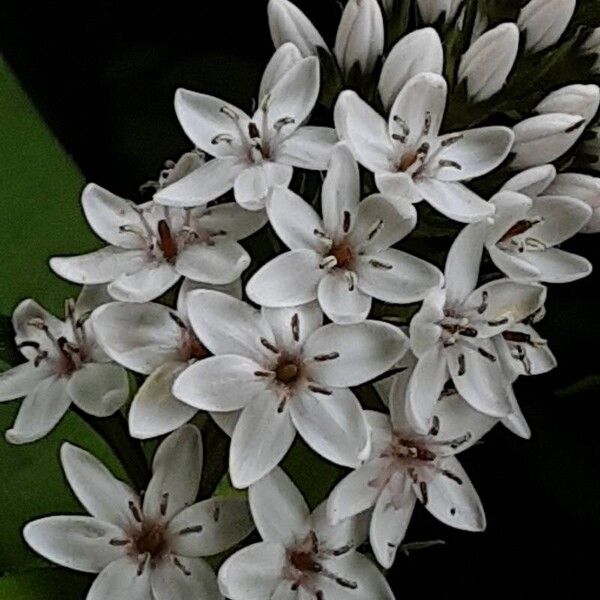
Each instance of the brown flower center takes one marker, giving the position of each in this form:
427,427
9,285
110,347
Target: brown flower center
287,372
344,255
151,540
304,562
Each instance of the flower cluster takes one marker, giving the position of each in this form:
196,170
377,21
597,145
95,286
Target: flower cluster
279,344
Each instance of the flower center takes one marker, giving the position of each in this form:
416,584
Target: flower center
304,562
287,372
150,540
512,240
344,255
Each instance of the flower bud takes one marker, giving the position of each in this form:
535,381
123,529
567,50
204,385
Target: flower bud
289,24
360,36
431,10
592,46
576,99
544,21
582,187
488,62
542,139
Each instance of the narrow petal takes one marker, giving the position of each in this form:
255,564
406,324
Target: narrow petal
120,580
289,279
424,330
395,276
99,389
211,526
309,147
558,266
100,493
335,426
363,351
562,218
286,56
292,326
262,437
40,411
342,301
20,381
184,579
279,510
176,471
231,219
79,543
146,284
25,318
220,383
349,533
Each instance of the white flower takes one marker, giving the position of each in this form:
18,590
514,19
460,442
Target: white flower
157,341
360,36
592,46
578,100
522,239
150,247
544,21
289,24
65,365
301,556
406,466
344,259
452,335
432,10
488,62
253,153
544,138
148,548
409,157
286,372
420,51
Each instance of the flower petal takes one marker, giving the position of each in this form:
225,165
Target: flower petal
79,543
231,219
562,218
20,381
120,580
515,266
146,284
364,351
261,438
286,56
558,266
188,578
292,326
280,512
341,301
251,187
532,182
335,426
398,186
309,147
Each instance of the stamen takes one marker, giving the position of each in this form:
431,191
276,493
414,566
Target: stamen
450,163
377,264
341,551
427,124
452,140
462,367
283,122
486,354
319,390
40,357
319,234
424,493
269,346
222,137
135,511
329,262
142,564
402,124
350,280
216,513
181,566
296,327
262,374
375,229
28,344
347,221
452,476
116,542
498,323
226,110
190,530
253,131
325,357
164,504
469,332
535,244
435,426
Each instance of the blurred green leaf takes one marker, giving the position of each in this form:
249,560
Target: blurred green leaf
44,584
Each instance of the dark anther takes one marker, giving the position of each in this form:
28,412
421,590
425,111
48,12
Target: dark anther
458,442
181,567
435,426
319,390
164,504
347,221
135,511
452,476
452,140
216,513
451,164
377,264
262,374
326,357
39,358
319,595
484,303
116,542
188,530
498,323
28,344
269,346
517,337
462,367
253,131
168,245
142,565
341,551
424,494
424,148
375,229
177,320
296,327
346,583
452,511
469,332
486,354
427,125
575,126
283,122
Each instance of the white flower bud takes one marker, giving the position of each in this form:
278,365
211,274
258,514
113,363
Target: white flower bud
289,24
544,21
542,139
488,62
431,10
360,36
581,187
576,99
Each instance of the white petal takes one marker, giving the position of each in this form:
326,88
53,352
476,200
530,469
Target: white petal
292,326
226,420
40,411
309,147
233,289
365,351
582,187
20,381
144,285
424,330
154,410
100,266
563,217
216,264
99,389
342,301
225,522
366,131
576,99
423,98
395,276
25,318
455,200
558,266
341,192
220,383
544,21
169,582
251,188
289,279
261,438
399,186
333,426
231,218
280,512
285,57
389,524
515,266
119,580
79,543
293,219
206,183
176,470
533,182
454,504
348,533
253,573
226,325
100,493
478,152
418,52
140,337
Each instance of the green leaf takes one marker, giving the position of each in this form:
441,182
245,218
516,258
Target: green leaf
44,584
40,188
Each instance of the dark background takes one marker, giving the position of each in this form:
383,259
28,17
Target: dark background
103,78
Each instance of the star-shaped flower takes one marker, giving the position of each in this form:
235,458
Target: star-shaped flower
65,365
150,247
346,258
150,548
287,373
251,154
411,159
301,557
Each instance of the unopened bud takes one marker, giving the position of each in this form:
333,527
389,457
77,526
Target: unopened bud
544,21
